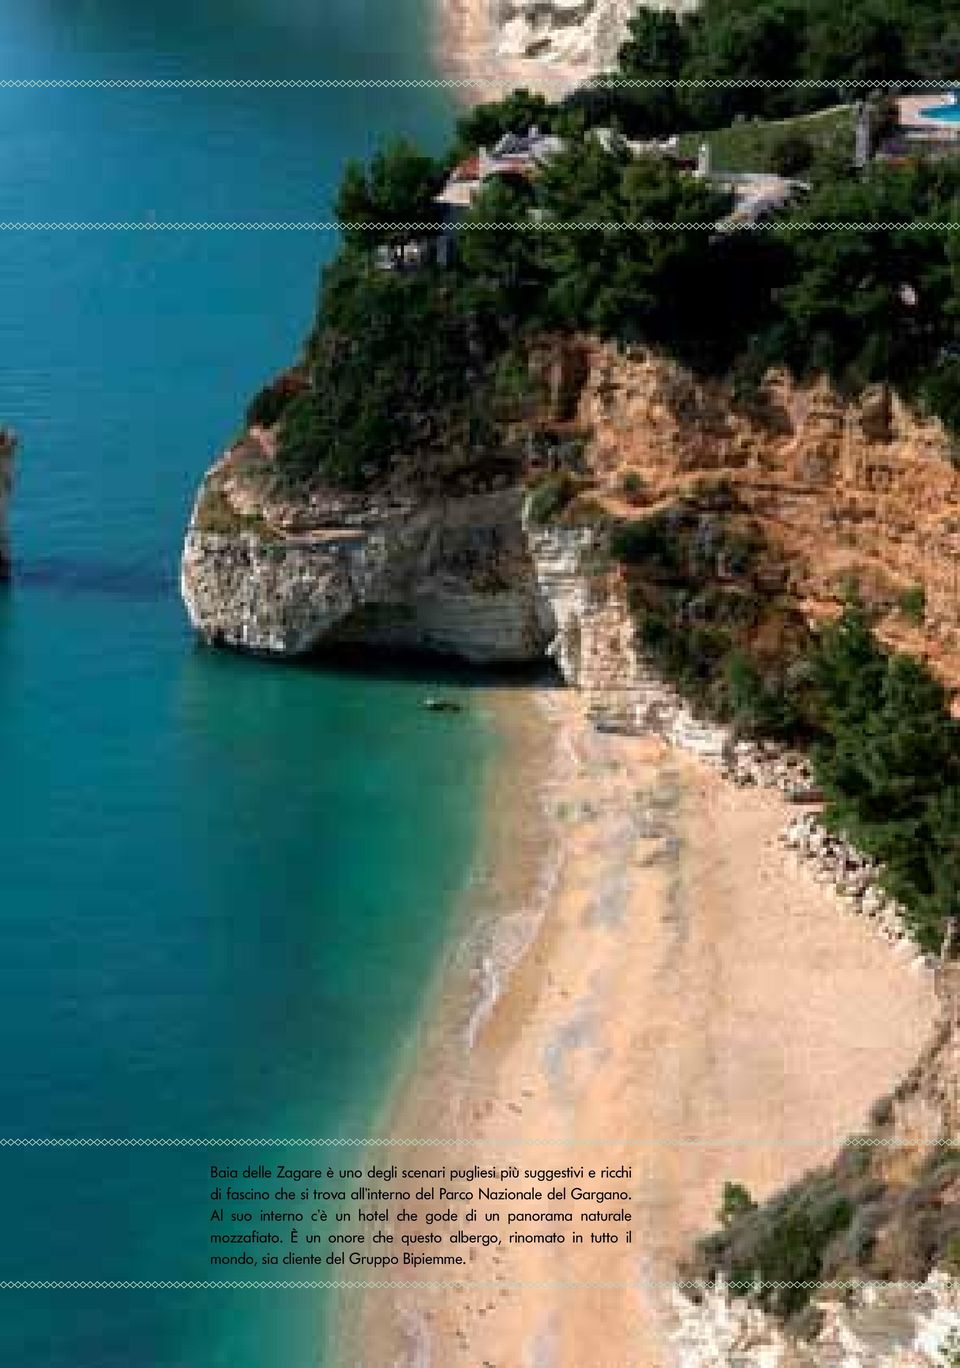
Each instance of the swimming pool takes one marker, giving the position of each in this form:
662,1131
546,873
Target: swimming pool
946,113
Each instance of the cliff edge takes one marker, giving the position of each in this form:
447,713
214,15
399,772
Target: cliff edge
449,575
780,501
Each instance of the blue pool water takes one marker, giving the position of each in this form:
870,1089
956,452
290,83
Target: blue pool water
222,882
949,113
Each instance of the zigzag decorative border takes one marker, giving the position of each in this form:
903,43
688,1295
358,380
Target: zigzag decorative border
644,226
409,1142
847,1285
455,82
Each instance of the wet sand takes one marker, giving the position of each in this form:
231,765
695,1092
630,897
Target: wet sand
644,976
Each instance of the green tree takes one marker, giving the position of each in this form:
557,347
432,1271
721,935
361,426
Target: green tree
865,42
375,203
656,46
847,669
502,268
906,750
655,49
625,280
517,112
736,1202
865,301
757,706
736,43
934,894
400,371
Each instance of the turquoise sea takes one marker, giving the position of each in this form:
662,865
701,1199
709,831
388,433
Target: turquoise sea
222,882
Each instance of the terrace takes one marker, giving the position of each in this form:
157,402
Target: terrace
925,123
757,194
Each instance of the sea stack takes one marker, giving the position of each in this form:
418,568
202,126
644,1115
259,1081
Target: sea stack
8,447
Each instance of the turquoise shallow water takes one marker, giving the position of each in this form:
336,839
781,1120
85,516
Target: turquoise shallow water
222,882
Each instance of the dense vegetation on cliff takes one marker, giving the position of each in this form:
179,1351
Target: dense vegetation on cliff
706,598
856,1221
404,361
888,759
416,362
420,363
787,40
410,354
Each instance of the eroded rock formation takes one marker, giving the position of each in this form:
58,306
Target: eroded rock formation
888,1294
585,34
841,492
451,577
864,490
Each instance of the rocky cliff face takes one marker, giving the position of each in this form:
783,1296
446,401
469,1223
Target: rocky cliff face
547,45
864,491
595,645
467,576
889,1293
580,33
881,1327
452,576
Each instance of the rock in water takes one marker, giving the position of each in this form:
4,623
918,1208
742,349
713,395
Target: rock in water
442,705
8,447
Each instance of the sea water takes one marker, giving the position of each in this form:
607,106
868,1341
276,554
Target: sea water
223,882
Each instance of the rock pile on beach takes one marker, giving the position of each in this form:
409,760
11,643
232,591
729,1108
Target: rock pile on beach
766,764
855,877
892,1325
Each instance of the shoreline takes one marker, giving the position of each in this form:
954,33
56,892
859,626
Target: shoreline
639,950
490,925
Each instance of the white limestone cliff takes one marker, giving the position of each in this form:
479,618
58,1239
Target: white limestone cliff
451,577
465,576
584,34
595,645
886,1325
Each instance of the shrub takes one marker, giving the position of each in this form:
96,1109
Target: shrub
735,1203
216,514
757,707
267,406
950,1258
650,541
913,604
889,764
633,487
790,1252
551,496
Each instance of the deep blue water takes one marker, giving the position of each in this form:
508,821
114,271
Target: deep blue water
222,882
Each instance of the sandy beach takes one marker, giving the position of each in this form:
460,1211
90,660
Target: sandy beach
644,977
